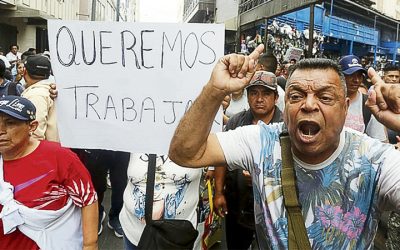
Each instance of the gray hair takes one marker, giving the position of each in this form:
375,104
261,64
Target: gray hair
318,63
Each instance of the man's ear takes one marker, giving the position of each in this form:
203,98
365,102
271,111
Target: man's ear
33,126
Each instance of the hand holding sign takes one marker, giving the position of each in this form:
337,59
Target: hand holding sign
125,86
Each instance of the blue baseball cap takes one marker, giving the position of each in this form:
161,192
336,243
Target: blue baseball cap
18,107
351,64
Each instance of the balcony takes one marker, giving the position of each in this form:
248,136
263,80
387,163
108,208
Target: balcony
246,5
347,30
7,4
254,10
198,11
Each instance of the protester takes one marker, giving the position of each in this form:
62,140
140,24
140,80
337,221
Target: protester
268,62
13,57
99,163
47,200
7,87
358,116
4,59
344,178
282,78
176,195
20,72
391,73
32,50
238,103
390,225
36,75
233,197
26,54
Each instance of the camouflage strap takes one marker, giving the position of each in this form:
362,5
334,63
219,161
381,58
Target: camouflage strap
298,238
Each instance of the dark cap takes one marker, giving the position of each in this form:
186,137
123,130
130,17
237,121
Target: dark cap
351,64
38,65
264,78
18,107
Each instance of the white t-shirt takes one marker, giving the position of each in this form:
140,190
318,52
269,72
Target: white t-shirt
176,194
355,120
237,106
341,197
5,60
281,99
11,57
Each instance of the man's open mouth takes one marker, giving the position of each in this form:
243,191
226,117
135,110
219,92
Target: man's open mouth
308,129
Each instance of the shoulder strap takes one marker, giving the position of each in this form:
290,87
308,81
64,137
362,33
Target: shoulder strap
297,238
366,112
151,173
12,88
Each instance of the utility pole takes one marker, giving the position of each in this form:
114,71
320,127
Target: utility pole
376,43
118,6
93,16
311,32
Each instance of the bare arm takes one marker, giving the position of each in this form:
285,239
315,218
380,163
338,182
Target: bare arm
220,206
90,217
192,144
384,101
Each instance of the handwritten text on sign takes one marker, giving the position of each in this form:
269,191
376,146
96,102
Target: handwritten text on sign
125,86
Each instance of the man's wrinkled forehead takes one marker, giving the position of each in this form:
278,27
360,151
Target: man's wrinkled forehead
313,83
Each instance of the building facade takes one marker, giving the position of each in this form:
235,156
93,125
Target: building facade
362,27
200,11
388,7
24,22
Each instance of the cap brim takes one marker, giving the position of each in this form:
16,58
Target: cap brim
267,86
16,116
350,71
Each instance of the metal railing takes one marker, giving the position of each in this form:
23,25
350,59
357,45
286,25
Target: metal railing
246,5
190,5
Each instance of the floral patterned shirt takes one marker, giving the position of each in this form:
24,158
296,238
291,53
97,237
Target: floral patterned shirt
341,198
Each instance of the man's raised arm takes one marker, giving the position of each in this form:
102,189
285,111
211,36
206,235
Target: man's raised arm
192,144
384,101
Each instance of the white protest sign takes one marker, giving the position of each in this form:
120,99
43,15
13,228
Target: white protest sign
293,53
125,86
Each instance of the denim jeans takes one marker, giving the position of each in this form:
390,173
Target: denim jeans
128,245
98,162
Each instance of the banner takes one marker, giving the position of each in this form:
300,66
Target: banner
125,86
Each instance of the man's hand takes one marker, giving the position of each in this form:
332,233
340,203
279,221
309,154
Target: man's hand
247,177
53,91
225,105
384,101
209,175
226,102
234,71
220,204
397,145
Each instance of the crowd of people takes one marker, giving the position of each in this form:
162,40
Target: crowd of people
343,124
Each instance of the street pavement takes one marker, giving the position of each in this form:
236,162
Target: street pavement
108,241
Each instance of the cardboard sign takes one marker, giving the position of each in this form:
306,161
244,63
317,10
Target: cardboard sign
293,53
125,86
